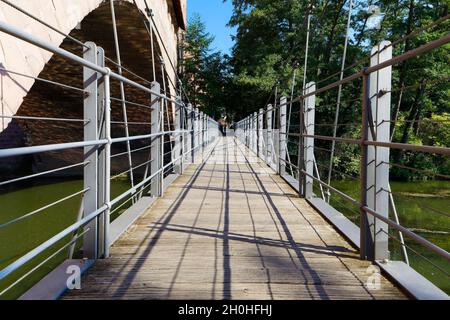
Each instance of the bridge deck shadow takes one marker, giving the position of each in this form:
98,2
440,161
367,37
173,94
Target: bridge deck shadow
230,228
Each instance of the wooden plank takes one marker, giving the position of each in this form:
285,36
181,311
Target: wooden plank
231,229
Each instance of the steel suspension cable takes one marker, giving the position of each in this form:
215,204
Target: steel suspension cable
338,104
308,30
122,91
177,78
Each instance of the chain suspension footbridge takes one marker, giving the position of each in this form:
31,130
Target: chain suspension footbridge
251,214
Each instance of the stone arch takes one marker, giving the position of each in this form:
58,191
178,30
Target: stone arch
89,21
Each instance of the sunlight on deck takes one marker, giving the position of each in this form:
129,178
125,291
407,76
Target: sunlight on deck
230,228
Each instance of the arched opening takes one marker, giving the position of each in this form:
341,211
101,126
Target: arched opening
46,100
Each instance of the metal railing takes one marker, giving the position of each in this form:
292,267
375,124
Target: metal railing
270,135
174,139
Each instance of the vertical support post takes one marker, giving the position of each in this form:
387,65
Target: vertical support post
282,137
190,124
176,152
242,130
244,122
309,118
202,132
196,132
244,133
366,245
377,185
255,132
301,149
260,133
206,130
103,155
269,144
182,111
156,150
276,140
247,132
90,179
250,131
162,108
107,174
195,122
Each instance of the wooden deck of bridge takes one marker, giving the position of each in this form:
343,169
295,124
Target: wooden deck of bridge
231,228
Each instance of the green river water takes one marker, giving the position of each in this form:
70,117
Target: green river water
423,207
413,201
19,238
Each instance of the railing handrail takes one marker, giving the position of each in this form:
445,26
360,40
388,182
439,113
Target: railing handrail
249,129
195,131
31,39
404,56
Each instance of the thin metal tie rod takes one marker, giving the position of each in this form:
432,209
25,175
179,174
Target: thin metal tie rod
122,92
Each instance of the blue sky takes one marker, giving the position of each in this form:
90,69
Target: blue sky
215,14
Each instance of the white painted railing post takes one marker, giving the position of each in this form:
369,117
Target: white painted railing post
254,132
260,133
379,117
309,112
282,137
247,121
156,150
195,125
104,157
247,132
184,135
269,140
105,162
208,128
176,152
200,131
204,129
190,139
92,100
97,172
243,130
244,133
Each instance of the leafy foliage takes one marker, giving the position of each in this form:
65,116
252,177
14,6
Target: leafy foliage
270,46
205,71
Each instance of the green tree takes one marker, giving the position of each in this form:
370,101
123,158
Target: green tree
270,41
205,70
